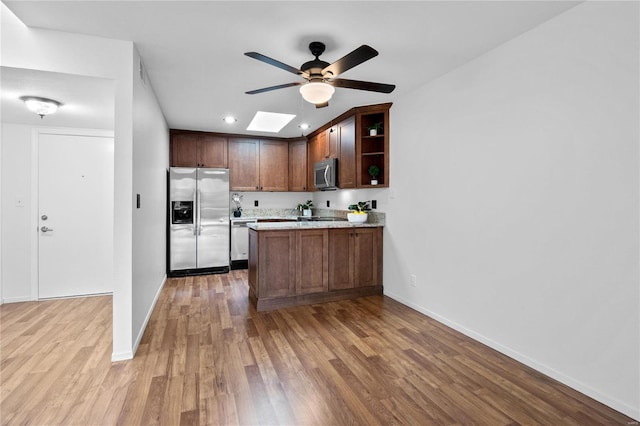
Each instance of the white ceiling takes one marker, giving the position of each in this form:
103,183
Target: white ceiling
88,102
193,51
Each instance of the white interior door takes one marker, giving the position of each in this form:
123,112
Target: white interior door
75,215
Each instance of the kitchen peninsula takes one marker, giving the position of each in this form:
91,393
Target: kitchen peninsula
297,263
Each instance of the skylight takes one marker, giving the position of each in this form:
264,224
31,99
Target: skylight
269,121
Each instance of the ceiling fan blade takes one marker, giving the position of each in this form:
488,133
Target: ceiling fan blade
275,63
268,89
322,105
358,56
362,85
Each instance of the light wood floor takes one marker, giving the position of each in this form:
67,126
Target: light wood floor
208,358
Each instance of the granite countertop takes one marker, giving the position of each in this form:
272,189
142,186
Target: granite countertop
262,217
273,226
375,219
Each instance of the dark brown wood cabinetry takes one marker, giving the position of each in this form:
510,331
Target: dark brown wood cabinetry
355,258
346,135
257,165
350,143
312,261
198,149
329,264
278,275
298,165
271,164
274,166
244,164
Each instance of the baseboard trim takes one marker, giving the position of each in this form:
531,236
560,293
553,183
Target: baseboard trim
121,356
18,299
633,412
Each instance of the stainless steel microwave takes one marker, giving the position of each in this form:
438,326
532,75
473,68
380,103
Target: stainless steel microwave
325,174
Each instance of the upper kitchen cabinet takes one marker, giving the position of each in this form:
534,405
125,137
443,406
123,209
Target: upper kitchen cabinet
372,148
298,165
198,149
257,165
274,166
346,142
244,164
355,148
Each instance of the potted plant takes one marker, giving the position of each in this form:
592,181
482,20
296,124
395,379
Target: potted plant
374,129
359,214
374,171
237,200
305,208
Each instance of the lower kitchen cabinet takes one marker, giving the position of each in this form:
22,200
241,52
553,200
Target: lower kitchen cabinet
295,267
355,258
312,262
278,275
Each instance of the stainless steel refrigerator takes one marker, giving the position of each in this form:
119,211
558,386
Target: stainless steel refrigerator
198,220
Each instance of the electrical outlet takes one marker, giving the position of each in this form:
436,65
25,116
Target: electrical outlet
374,204
412,280
255,203
328,203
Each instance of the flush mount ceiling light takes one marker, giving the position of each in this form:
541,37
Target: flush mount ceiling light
229,119
304,126
41,106
317,92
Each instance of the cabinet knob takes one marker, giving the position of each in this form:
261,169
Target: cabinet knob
257,187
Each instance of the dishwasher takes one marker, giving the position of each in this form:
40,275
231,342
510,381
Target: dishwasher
240,242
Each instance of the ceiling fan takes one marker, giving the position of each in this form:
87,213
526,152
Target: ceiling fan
321,76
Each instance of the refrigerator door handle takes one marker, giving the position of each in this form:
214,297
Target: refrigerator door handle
199,226
196,216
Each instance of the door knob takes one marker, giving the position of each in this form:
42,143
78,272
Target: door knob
45,229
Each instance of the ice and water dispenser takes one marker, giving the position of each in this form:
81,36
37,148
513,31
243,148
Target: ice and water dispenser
182,212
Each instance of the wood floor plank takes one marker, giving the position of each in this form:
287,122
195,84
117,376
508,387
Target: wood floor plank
207,357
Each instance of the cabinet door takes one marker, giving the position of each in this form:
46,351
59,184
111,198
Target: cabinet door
298,165
313,156
274,165
366,257
312,266
184,150
341,258
277,276
213,151
331,143
244,164
346,131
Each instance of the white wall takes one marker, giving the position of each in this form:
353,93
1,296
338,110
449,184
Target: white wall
17,221
516,200
150,163
99,57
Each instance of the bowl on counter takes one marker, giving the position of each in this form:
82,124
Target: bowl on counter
357,218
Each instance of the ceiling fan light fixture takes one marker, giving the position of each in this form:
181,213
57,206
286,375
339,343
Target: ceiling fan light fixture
41,106
317,92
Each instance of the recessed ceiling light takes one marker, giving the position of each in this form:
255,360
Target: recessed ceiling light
304,126
229,119
269,121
